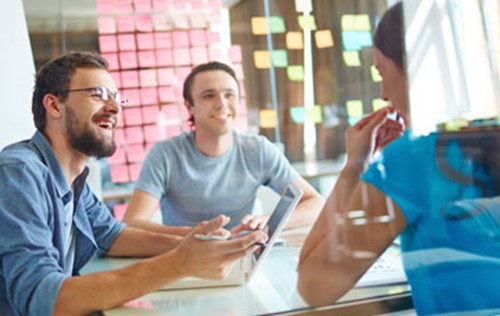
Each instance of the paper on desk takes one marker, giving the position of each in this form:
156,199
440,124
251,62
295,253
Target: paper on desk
387,270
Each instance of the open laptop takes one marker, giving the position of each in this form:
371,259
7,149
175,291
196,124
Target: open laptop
244,268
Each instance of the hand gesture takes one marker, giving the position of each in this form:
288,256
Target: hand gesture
251,222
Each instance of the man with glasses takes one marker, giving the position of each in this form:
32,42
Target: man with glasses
51,223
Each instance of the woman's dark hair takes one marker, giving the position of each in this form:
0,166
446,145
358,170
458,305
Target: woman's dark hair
389,35
54,77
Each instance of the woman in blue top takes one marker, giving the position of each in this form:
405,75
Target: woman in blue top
439,192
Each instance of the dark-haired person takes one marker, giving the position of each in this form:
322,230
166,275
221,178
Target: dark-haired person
51,223
213,169
439,192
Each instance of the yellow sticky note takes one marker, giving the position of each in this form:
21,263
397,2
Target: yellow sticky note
259,25
294,40
377,104
323,38
354,108
267,118
376,77
351,58
262,59
307,22
348,22
315,114
362,22
295,73
303,5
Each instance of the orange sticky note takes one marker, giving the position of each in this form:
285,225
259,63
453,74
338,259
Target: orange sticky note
323,38
294,40
106,25
259,25
262,59
267,118
108,43
149,95
145,41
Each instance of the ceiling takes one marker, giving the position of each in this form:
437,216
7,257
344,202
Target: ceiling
67,15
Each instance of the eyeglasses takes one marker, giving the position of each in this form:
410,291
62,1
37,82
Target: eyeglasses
103,94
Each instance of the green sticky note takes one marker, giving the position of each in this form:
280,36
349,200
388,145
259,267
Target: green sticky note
375,74
348,22
354,108
352,58
315,114
276,25
298,114
377,104
362,22
295,73
307,22
279,58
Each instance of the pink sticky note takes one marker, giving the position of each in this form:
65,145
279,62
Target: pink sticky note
112,59
119,174
215,17
148,146
133,116
172,130
162,22
164,57
125,24
243,110
149,96
147,59
181,73
180,39
166,94
171,113
198,5
118,157
130,79
182,57
160,6
199,55
105,6
108,43
150,115
215,4
234,54
215,54
135,153
198,38
133,135
135,171
119,138
242,88
119,211
148,78
151,133
116,78
106,25
198,21
144,23
119,123
145,41
213,37
123,6
238,69
166,77
126,42
181,21
143,6
128,60
133,97
163,40
184,113
179,5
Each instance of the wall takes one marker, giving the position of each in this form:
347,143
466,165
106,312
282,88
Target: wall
16,84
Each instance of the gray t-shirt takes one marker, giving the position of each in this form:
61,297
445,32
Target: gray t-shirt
193,187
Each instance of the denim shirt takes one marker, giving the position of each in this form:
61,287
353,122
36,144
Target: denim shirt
33,196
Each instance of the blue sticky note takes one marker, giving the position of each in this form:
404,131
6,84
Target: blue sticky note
350,40
298,114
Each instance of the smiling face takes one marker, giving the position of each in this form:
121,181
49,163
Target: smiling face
215,102
89,121
394,86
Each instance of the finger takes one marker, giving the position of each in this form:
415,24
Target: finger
210,226
369,118
246,219
242,243
377,121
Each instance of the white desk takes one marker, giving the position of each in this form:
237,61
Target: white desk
272,290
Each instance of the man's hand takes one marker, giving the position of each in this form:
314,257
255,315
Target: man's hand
251,222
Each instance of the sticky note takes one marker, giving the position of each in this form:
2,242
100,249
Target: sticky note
375,74
144,23
212,37
354,108
128,60
234,54
148,77
323,38
162,22
276,25
198,5
125,24
112,59
362,22
279,58
351,58
348,22
215,54
119,155
116,75
243,109
199,55
145,41
135,153
350,40
242,89
130,79
119,137
126,42
142,6
152,133
238,69
267,118
164,57
108,43
166,77
377,104
295,73
294,40
181,56
150,115
197,38
119,174
171,113
365,38
163,39
134,135
262,59
198,21
132,116
123,6
166,94
149,95
106,25
314,114
215,4
307,22
133,96
182,73
178,5
105,6
215,18
303,5
160,5
298,114
259,25
181,21
146,59
172,130
180,39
